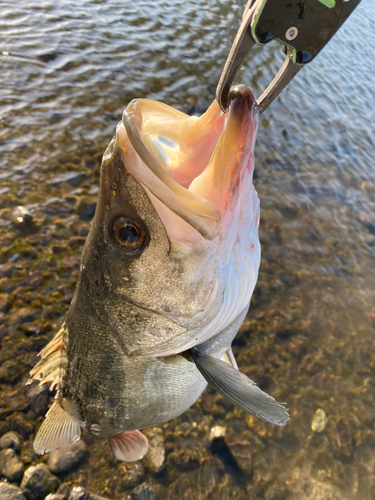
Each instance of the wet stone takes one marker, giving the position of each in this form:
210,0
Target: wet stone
86,208
217,432
155,457
64,490
56,206
79,493
38,398
10,440
38,482
73,179
10,492
241,452
144,492
11,466
10,372
67,458
131,474
319,421
21,216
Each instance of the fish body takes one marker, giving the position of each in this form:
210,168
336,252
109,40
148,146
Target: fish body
167,274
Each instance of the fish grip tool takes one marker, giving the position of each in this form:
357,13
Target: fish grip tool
303,27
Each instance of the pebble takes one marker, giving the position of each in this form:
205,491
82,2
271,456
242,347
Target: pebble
319,421
10,440
38,482
144,492
79,493
217,432
11,466
67,458
55,496
10,372
86,207
73,179
131,474
10,492
64,490
21,215
155,457
38,398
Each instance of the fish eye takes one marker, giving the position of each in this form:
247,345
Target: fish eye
127,234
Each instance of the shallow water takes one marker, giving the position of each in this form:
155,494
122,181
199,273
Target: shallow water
68,69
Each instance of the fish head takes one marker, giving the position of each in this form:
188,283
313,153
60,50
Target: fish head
176,211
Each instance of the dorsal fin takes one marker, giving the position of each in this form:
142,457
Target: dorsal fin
51,367
59,428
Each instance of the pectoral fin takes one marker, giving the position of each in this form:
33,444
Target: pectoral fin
239,389
128,446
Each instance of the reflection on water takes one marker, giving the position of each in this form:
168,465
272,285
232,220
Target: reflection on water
68,70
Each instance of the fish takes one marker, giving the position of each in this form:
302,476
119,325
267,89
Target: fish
166,277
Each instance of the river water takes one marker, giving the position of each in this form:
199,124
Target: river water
68,69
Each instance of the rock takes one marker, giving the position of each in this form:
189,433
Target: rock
319,421
130,474
10,372
73,179
86,207
155,456
217,432
55,496
56,206
64,490
38,482
79,493
21,216
10,492
144,492
241,452
11,466
10,440
198,484
38,398
67,457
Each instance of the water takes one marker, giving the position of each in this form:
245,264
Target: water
68,69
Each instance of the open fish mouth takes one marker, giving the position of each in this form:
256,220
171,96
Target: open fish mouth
193,168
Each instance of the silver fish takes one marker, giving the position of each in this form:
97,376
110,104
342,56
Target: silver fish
167,273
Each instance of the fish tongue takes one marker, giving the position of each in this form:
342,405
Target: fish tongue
222,181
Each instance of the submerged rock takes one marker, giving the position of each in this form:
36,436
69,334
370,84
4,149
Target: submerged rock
11,466
64,490
79,493
10,440
38,398
10,492
21,215
67,458
144,492
319,422
155,457
38,482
